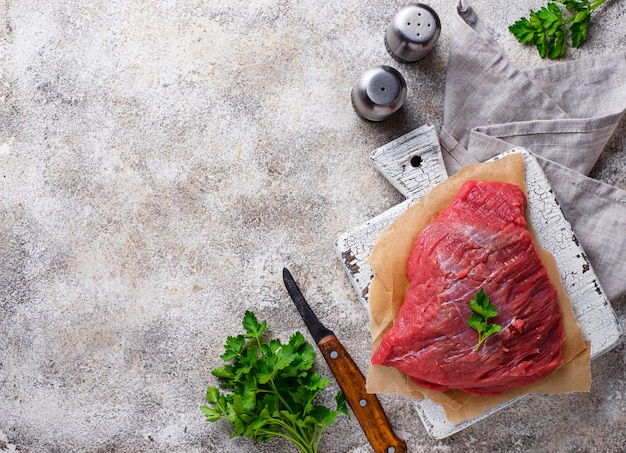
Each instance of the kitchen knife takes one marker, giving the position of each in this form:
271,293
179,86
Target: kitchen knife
365,407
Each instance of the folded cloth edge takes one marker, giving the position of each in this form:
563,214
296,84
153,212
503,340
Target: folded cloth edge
593,208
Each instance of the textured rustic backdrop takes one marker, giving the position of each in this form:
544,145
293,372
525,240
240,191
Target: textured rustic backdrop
161,161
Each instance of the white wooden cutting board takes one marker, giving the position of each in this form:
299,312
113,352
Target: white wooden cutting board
414,165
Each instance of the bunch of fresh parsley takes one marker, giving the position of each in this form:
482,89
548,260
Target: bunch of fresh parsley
482,311
547,28
272,389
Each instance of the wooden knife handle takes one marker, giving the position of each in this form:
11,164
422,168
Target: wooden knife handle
365,406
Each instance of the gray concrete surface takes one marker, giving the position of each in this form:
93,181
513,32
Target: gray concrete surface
161,161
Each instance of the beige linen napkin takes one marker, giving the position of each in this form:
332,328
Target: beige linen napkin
491,106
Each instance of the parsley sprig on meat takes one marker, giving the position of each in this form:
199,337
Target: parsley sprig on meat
482,311
547,29
272,389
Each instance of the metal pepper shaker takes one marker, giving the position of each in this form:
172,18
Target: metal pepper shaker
412,33
379,93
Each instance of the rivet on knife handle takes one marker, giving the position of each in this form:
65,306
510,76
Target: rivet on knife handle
365,407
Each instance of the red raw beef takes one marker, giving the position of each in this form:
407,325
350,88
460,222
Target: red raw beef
479,241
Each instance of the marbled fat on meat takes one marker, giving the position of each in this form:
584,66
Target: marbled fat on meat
479,241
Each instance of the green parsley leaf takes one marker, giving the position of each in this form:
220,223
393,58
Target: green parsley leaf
579,30
557,45
482,311
212,395
212,415
523,30
273,388
233,347
250,323
481,305
547,28
491,329
226,373
477,323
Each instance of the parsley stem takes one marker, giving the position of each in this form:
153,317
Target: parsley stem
278,394
481,338
294,437
318,439
595,4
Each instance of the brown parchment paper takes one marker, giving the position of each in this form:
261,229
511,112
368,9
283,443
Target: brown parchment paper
389,286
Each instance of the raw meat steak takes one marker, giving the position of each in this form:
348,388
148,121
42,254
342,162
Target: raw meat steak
479,241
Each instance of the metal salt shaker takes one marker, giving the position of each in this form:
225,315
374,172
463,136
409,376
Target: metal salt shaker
412,33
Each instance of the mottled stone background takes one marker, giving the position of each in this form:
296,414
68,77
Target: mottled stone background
161,161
